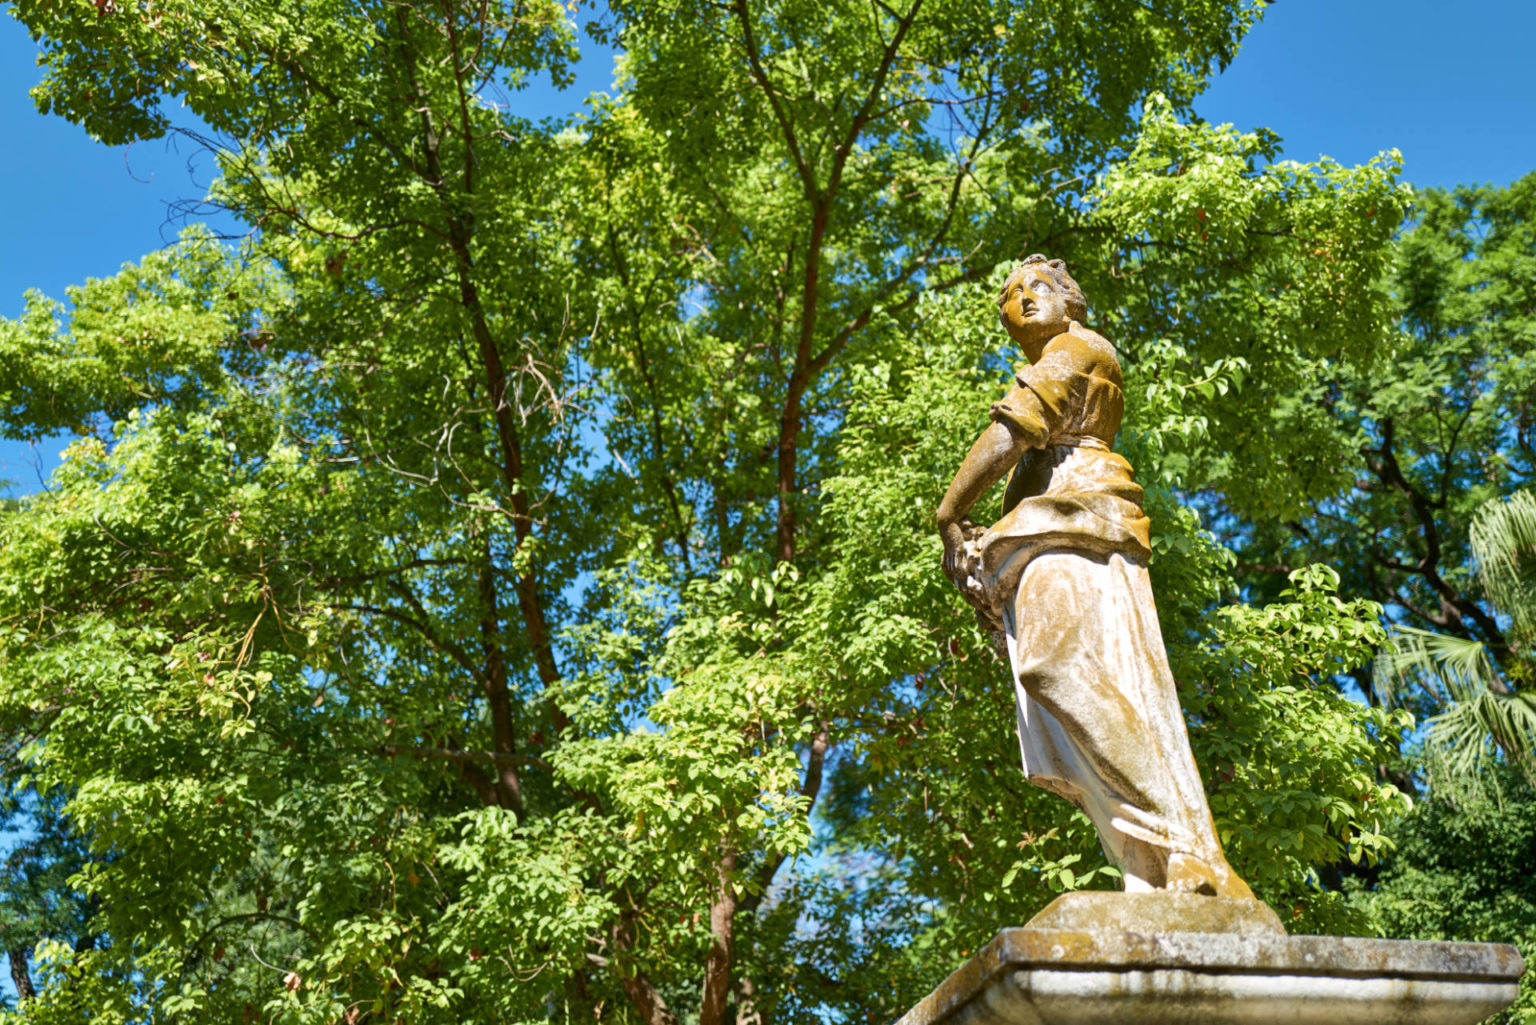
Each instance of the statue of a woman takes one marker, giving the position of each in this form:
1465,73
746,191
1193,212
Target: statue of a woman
1063,577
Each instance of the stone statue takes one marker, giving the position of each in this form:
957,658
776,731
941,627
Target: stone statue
1062,579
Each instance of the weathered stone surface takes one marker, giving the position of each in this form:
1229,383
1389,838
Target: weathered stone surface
1159,911
1037,976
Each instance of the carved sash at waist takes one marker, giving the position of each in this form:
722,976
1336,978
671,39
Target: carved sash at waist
1076,496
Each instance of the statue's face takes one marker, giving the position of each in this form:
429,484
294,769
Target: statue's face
1035,306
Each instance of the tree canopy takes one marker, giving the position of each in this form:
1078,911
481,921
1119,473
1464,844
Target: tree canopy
502,585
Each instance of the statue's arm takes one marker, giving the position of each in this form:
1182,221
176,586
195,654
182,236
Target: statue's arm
989,460
1026,418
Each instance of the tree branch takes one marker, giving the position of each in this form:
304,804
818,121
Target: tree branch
1428,567
459,235
638,986
754,61
456,755
446,647
791,418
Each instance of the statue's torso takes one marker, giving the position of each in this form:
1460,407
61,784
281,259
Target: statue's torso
1071,490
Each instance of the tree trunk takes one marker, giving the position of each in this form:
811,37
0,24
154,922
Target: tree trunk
722,925
20,975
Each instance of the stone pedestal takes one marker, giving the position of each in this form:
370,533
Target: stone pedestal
1163,959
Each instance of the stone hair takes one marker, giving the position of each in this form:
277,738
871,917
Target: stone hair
1056,270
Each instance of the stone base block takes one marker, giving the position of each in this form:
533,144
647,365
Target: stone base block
1164,959
1157,912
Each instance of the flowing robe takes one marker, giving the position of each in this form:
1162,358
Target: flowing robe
1064,572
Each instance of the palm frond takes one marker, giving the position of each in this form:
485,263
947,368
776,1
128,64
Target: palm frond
1503,537
1472,729
1479,715
1450,668
1477,721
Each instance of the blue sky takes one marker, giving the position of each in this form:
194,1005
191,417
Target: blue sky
1451,86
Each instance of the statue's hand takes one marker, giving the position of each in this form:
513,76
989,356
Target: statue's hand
961,565
953,534
962,558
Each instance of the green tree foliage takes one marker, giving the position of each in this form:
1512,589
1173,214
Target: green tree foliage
1430,517
1460,871
1429,433
472,596
37,902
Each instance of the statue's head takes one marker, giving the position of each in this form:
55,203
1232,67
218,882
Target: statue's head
1038,300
